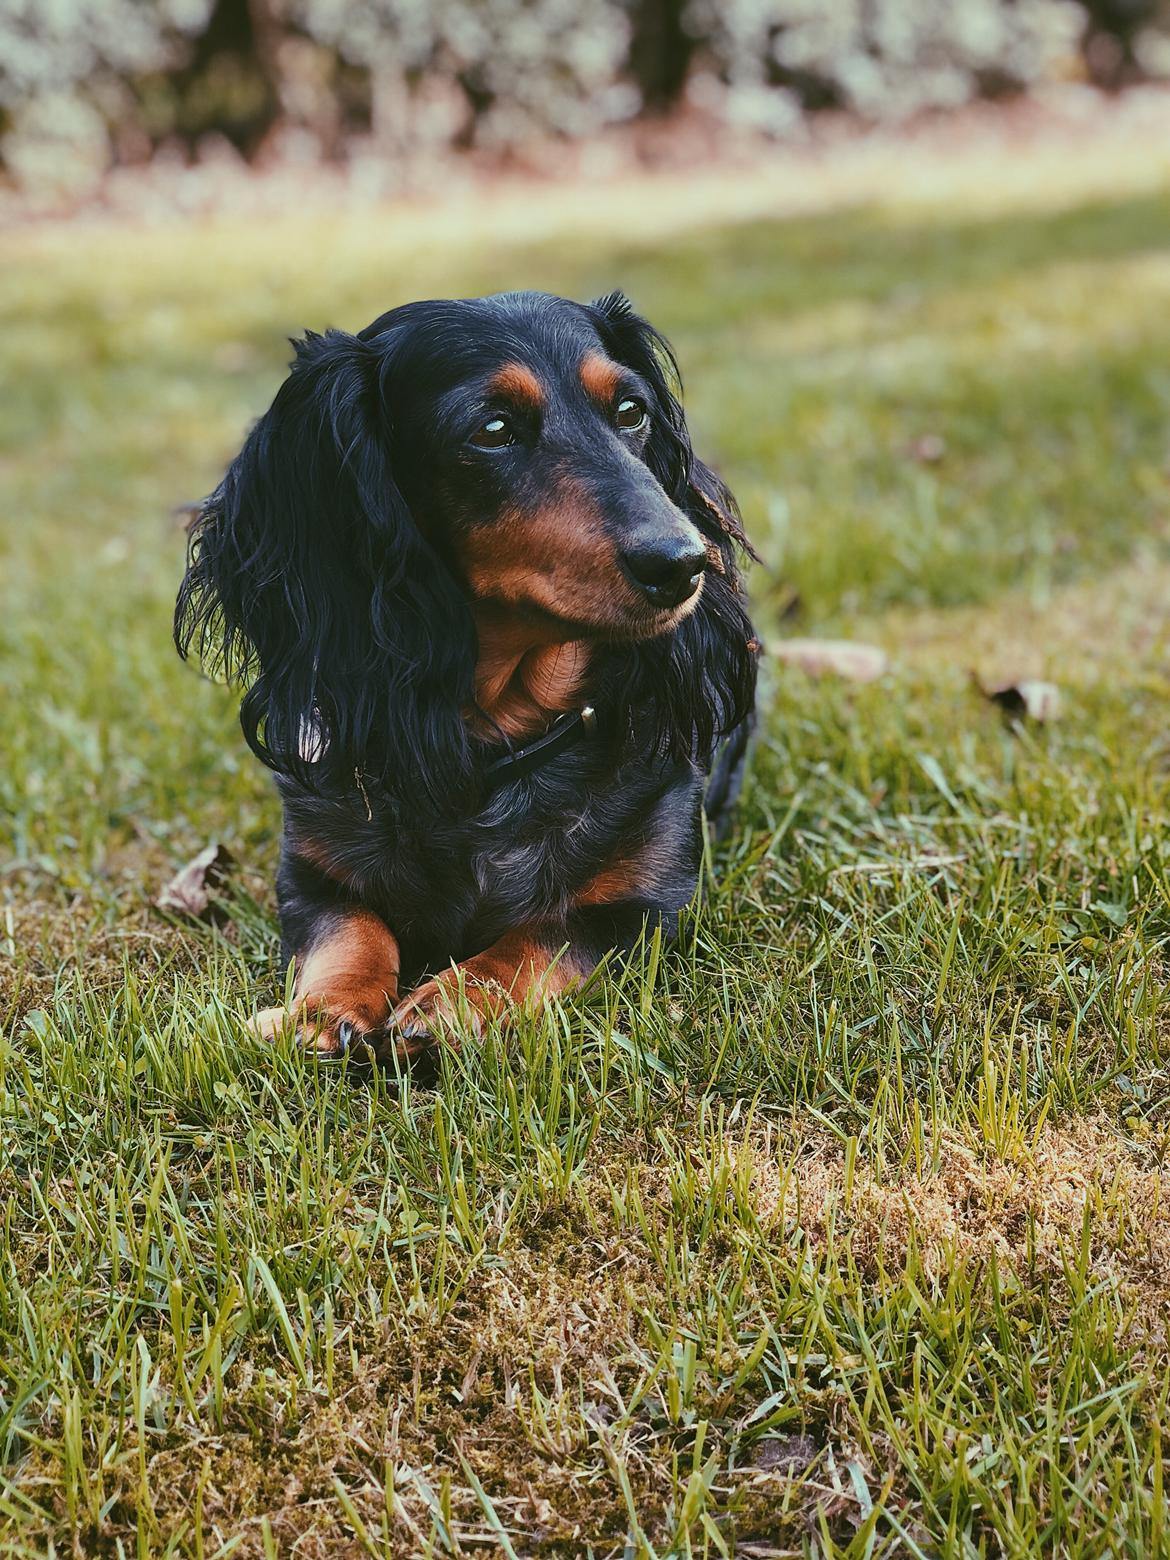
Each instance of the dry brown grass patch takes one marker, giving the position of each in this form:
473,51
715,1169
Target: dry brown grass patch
1028,1213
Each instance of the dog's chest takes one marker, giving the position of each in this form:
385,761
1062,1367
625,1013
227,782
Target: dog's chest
530,871
450,886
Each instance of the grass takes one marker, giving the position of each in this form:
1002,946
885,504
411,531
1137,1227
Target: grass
841,1228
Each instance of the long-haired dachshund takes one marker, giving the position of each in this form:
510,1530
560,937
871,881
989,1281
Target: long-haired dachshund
485,603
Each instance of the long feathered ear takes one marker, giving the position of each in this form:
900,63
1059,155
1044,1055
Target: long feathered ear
707,667
633,341
691,484
309,584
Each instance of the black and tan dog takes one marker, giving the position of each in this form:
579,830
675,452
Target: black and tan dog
485,603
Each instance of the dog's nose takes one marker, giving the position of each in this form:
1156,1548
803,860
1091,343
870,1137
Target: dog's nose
666,571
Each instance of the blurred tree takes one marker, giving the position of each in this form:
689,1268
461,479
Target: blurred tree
1112,39
469,72
66,65
880,58
114,78
230,78
661,49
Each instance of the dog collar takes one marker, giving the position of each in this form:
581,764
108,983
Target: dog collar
564,733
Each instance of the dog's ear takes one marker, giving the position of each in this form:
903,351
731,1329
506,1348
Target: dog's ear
703,675
633,341
693,486
309,584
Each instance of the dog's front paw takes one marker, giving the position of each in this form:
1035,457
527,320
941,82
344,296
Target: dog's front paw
434,1011
332,1035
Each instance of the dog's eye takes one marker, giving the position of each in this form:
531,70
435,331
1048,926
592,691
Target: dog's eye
493,434
631,414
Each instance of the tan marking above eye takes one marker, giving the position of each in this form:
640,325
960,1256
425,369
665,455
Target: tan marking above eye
519,383
601,378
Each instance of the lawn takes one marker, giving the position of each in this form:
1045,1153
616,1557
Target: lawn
842,1227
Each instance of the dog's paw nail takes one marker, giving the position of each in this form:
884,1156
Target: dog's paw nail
411,1035
345,1036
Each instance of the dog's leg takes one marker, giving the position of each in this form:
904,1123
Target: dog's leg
346,982
528,964
648,881
523,963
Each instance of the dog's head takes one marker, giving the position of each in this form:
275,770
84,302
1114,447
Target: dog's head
519,456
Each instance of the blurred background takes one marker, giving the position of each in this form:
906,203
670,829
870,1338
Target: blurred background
395,87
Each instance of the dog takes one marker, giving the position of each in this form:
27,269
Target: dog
486,608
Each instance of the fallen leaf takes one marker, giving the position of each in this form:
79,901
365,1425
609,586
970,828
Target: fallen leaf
1028,699
790,1453
840,657
928,448
194,888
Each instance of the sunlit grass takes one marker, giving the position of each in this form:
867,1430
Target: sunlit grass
841,1226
